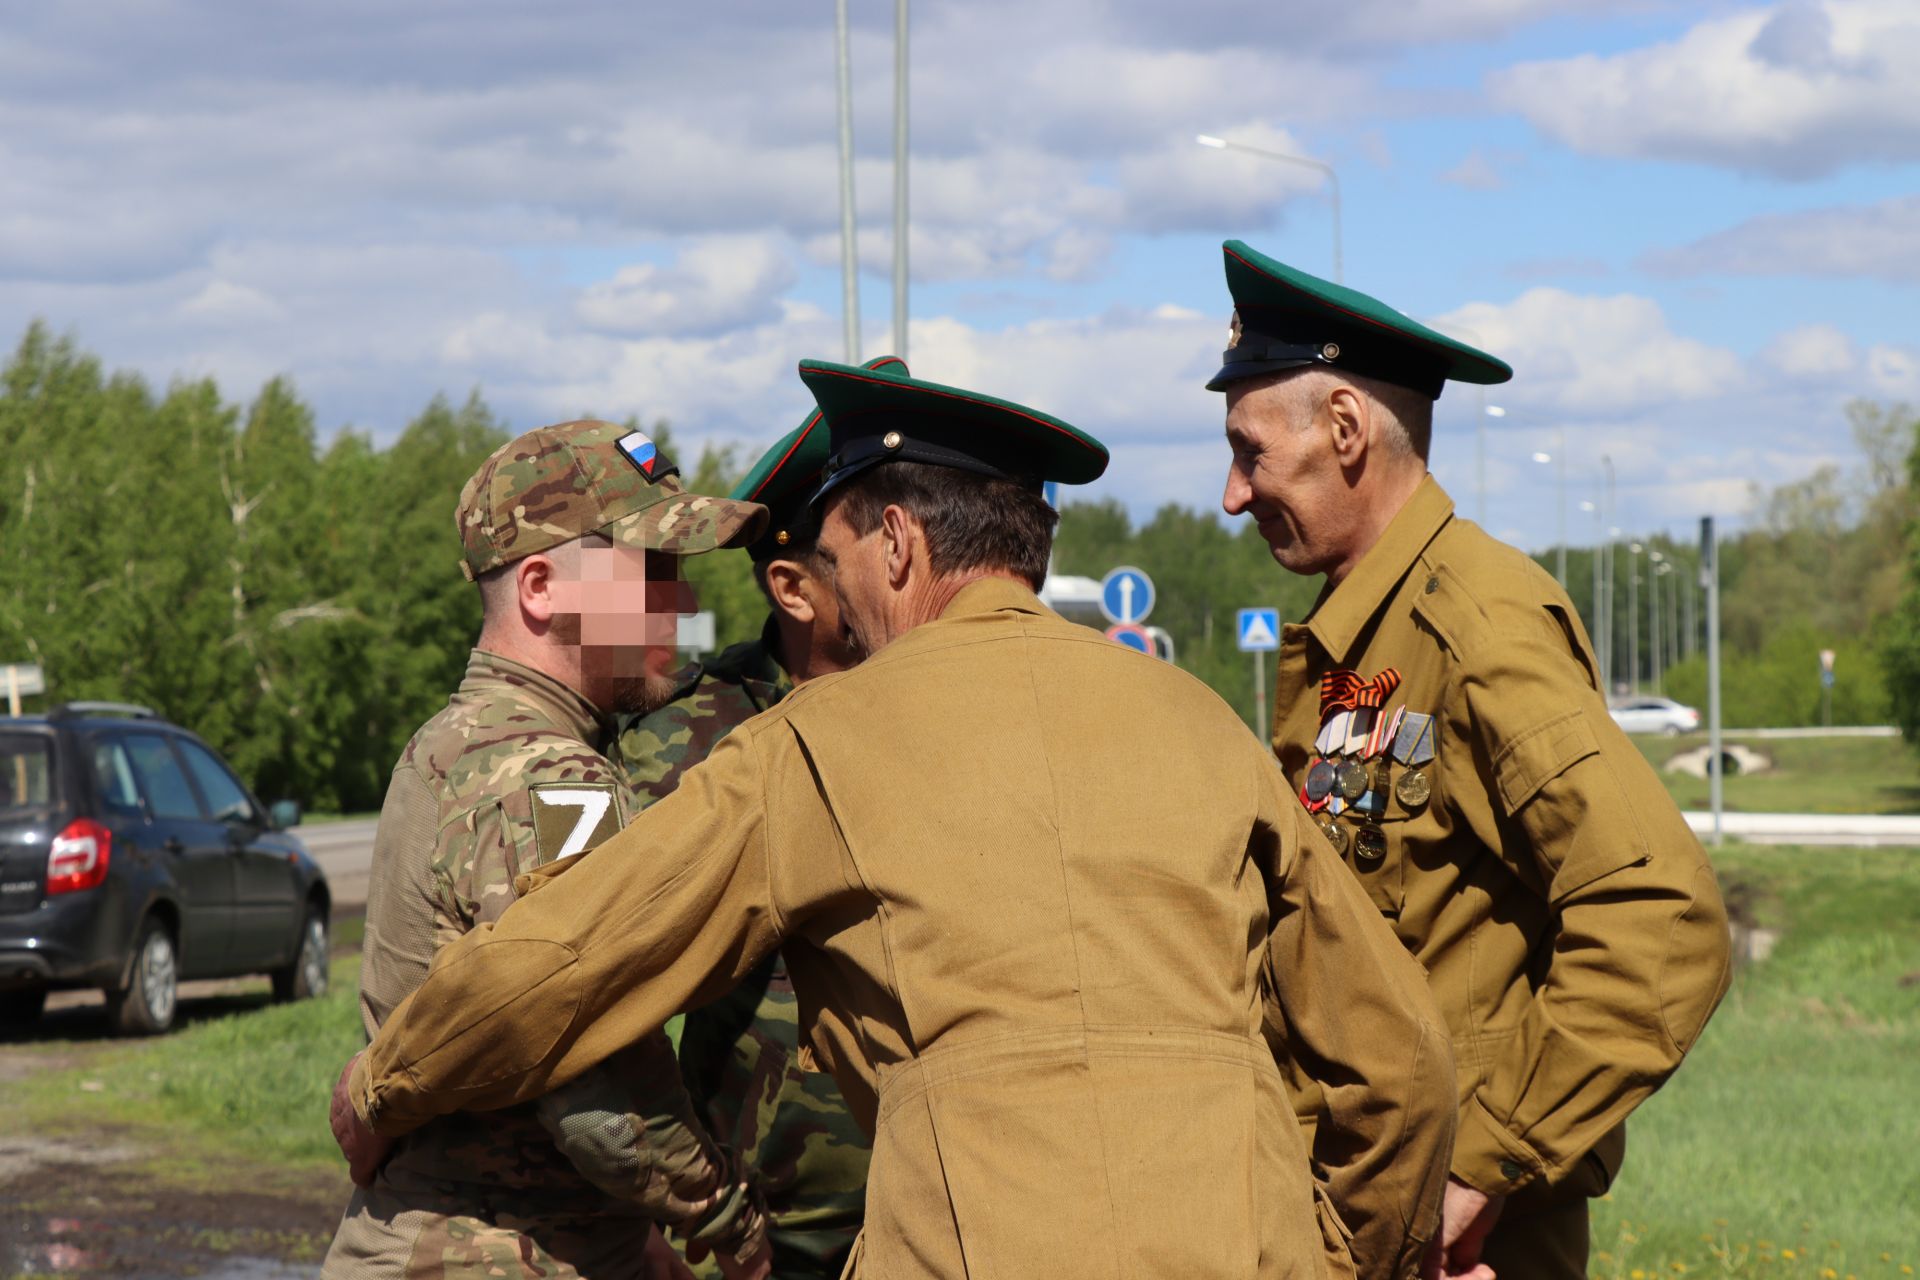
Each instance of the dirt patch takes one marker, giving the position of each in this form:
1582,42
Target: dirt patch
112,1219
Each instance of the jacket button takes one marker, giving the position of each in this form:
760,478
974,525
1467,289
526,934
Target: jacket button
1433,584
1510,1169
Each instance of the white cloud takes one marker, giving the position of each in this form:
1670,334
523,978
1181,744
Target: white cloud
1474,172
223,300
716,283
1590,354
1878,241
1812,351
1796,90
1894,372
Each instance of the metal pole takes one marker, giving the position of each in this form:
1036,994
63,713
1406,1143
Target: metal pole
1710,580
1673,614
1653,603
1633,617
13,691
1593,627
1260,694
1606,462
1339,265
1692,596
900,178
849,255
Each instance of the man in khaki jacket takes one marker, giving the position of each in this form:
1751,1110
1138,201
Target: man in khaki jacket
1034,942
1440,714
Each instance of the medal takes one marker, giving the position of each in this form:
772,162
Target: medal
1413,788
1370,842
1374,802
1320,780
1413,745
1335,835
1352,779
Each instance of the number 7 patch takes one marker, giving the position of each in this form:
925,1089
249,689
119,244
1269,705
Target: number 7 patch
571,817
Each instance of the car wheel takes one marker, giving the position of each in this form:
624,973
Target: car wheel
306,976
1671,730
21,1008
146,1007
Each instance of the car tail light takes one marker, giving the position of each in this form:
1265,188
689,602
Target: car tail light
78,859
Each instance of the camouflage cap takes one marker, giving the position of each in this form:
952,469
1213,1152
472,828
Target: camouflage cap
556,483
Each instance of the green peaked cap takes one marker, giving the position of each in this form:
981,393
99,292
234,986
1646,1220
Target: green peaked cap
787,476
1284,318
882,415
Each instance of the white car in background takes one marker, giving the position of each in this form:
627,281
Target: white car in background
1654,715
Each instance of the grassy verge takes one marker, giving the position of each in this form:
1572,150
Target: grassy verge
252,1085
1786,1145
1809,775
320,819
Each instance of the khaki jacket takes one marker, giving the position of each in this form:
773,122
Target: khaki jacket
1569,919
1035,944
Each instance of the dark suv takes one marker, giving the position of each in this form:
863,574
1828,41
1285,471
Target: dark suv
131,858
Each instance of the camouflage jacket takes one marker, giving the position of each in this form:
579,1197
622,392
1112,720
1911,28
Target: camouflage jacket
741,1055
508,777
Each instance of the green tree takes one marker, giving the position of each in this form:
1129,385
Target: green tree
1900,635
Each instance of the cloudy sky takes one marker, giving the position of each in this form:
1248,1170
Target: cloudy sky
1693,228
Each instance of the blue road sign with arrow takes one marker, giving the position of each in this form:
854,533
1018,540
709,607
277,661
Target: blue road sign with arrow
1126,595
1259,630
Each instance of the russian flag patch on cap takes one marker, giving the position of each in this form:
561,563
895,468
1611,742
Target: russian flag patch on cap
642,453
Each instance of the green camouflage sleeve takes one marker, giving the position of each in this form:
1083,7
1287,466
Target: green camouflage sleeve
628,1126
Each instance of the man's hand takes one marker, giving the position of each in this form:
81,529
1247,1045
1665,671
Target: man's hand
757,1265
1466,1219
364,1149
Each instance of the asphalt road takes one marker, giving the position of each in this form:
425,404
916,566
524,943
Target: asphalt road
344,851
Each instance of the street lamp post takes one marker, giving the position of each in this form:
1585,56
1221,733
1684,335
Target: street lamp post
849,253
1633,617
1653,603
1541,456
1333,184
1593,626
900,178
1606,507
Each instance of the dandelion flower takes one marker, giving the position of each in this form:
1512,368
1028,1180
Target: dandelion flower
1788,1254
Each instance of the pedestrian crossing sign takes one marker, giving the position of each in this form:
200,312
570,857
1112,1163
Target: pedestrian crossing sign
1259,630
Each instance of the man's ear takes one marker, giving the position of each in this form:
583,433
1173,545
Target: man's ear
1349,419
533,578
901,543
786,583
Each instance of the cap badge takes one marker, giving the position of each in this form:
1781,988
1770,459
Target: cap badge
640,451
1233,330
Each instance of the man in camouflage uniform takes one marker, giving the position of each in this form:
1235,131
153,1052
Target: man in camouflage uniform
741,1056
573,534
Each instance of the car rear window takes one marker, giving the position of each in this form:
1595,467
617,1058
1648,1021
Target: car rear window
114,773
26,772
167,788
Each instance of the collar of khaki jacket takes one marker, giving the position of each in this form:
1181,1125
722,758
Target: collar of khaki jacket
578,716
1343,612
992,595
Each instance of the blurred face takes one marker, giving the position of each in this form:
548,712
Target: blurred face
1285,474
621,607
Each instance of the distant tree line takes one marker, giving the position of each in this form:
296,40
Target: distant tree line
299,604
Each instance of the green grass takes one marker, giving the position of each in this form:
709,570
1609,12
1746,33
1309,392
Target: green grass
318,819
253,1084
1786,1145
1809,775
